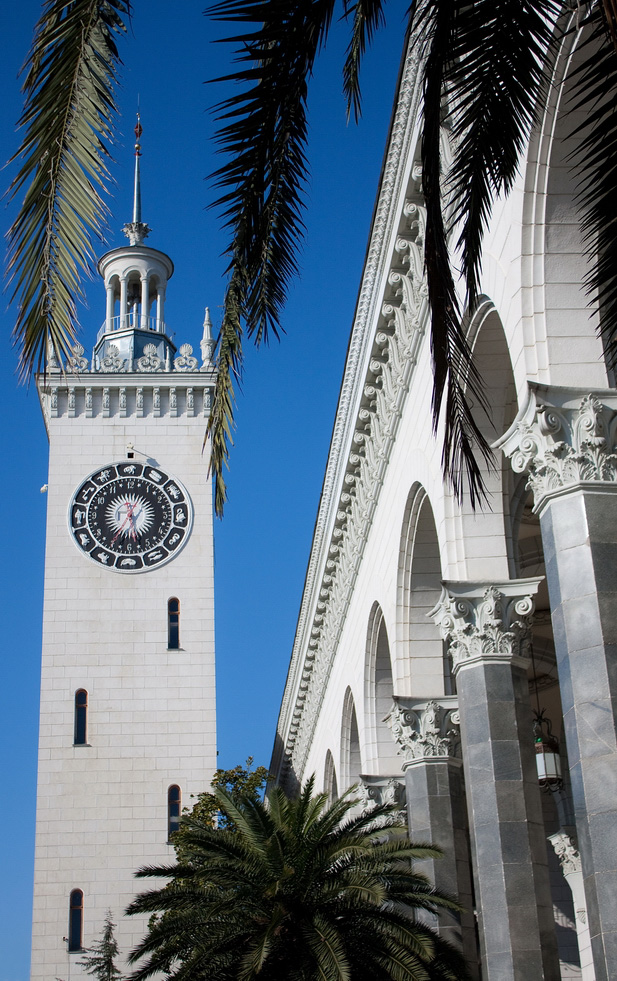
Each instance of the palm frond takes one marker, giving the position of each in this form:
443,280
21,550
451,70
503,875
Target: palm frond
263,134
368,17
69,107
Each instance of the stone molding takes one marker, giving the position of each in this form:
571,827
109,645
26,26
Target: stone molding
375,791
563,438
424,729
137,395
380,364
486,621
112,363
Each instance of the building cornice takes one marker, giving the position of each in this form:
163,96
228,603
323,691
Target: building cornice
388,329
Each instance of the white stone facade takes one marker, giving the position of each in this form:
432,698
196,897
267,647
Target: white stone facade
389,535
102,807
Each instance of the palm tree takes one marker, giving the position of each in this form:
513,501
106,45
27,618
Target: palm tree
486,66
296,890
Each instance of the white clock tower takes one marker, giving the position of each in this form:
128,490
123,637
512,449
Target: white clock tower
127,725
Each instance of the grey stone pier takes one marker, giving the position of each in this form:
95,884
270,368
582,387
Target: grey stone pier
427,738
488,628
567,441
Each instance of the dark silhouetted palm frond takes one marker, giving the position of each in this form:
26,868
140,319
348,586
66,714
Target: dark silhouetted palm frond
68,121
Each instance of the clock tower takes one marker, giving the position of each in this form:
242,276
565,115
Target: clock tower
127,720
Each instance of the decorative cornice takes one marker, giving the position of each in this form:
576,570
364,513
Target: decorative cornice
375,791
482,621
425,729
563,438
378,371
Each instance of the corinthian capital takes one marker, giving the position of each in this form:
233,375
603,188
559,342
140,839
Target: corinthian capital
563,438
425,729
483,621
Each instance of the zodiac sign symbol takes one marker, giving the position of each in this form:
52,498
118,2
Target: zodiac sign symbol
155,556
180,516
102,557
128,562
103,476
79,517
84,540
130,469
174,538
155,475
173,492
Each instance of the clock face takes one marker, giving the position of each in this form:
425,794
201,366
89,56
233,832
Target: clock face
130,517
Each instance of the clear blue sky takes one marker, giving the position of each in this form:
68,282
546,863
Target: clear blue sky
285,410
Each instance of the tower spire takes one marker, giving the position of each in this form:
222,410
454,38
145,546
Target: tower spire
136,231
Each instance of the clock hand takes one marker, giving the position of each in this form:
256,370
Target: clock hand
129,508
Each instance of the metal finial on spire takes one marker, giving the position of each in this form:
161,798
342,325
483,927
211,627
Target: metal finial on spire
136,231
207,341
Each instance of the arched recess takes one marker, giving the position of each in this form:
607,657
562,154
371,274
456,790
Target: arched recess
330,784
422,667
485,532
351,760
381,758
567,348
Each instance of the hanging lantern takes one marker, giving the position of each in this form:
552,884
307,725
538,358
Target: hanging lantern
548,761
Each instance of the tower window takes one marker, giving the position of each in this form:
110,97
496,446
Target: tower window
76,920
173,624
80,737
174,805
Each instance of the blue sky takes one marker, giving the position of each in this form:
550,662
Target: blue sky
285,410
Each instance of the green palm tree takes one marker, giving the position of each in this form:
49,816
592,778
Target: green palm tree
297,891
485,68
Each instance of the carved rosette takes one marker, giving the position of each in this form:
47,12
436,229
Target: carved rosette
481,621
564,445
112,360
77,362
426,730
377,791
150,360
186,361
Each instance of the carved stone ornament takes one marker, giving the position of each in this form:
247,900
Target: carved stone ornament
375,791
426,730
150,360
481,621
563,438
112,360
77,362
566,850
186,361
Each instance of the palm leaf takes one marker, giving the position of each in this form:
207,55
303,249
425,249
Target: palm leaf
69,107
263,134
368,17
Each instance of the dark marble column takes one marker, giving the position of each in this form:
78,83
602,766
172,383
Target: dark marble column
567,441
488,630
428,739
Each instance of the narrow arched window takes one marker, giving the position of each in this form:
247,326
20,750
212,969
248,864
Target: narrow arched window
173,624
80,736
76,920
174,806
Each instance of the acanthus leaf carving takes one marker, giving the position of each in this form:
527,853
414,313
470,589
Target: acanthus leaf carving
425,730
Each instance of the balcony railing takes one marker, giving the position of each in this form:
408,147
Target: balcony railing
129,322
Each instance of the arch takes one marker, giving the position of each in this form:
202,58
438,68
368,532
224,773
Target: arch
80,724
174,809
351,759
173,623
330,784
381,755
76,921
424,668
567,349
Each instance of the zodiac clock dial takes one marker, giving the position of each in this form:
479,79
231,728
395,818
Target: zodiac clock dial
130,517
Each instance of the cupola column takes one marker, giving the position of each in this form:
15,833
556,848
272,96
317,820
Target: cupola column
109,312
160,309
144,303
123,301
